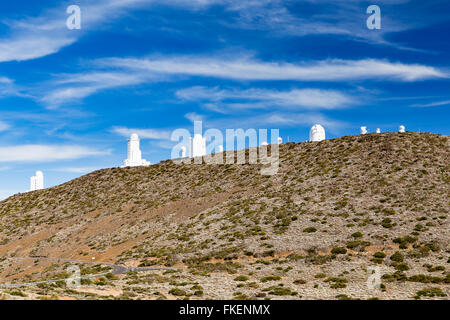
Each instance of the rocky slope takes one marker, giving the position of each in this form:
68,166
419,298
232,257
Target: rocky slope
335,209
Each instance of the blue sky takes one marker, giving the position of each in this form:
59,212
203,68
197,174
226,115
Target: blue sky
70,98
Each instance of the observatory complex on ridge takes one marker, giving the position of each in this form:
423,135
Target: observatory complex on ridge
196,148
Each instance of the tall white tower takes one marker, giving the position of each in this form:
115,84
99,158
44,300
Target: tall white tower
317,133
134,153
37,181
197,146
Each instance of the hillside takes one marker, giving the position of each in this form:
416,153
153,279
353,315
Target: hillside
335,208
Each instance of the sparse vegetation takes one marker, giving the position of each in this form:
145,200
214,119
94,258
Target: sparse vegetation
315,226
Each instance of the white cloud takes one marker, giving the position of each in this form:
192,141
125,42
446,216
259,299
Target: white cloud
60,96
76,169
275,120
8,87
432,104
5,80
264,98
31,47
75,87
4,126
39,36
193,116
124,72
143,133
36,37
46,153
247,68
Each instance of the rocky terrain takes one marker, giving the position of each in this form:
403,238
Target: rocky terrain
336,210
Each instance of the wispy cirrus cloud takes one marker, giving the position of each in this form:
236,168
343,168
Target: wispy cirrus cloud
38,36
193,116
432,104
33,37
4,126
248,68
8,87
223,100
75,87
122,72
275,120
76,169
47,153
157,134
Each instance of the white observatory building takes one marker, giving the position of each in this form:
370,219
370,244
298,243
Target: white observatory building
37,181
197,147
317,133
134,153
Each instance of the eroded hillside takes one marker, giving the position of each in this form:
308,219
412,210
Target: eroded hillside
335,208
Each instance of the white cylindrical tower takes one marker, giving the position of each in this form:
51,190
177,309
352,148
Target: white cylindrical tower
134,152
39,180
198,146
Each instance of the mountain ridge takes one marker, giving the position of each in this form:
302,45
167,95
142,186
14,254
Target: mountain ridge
333,204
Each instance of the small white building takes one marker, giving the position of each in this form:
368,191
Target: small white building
183,152
317,133
37,181
402,129
134,153
363,130
378,130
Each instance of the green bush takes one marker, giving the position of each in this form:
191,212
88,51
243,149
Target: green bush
337,282
357,235
177,292
299,281
430,292
397,257
338,250
401,266
270,278
380,255
387,223
241,278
